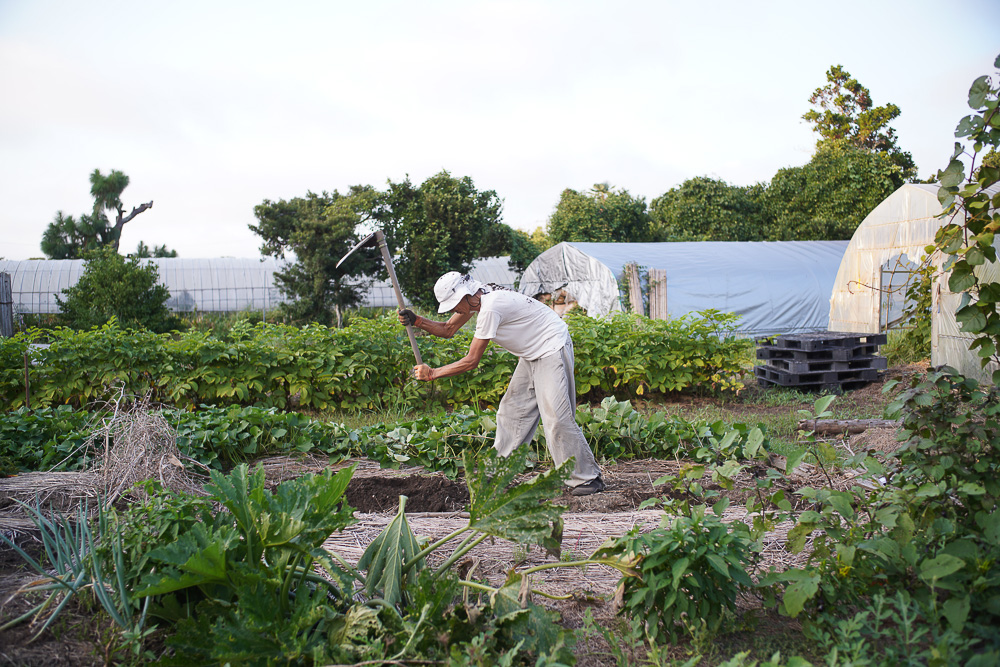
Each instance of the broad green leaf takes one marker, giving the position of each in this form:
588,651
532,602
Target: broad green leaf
197,557
952,175
972,319
718,564
720,507
939,567
679,569
798,593
519,512
533,625
962,278
823,403
956,610
798,535
755,440
385,556
794,459
978,91
841,501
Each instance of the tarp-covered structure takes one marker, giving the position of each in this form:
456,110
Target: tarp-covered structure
206,285
870,288
776,286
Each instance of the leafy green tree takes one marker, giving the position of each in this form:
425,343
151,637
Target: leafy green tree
540,239
113,287
845,115
601,215
318,230
514,243
440,226
828,197
69,238
144,251
705,209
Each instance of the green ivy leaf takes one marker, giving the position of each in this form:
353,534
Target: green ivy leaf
952,175
962,278
978,92
971,318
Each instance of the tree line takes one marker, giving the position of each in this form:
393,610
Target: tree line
446,222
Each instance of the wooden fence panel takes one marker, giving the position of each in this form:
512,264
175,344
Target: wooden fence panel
658,294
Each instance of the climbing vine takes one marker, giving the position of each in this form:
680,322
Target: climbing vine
971,199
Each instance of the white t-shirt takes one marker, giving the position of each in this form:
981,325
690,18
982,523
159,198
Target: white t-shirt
520,324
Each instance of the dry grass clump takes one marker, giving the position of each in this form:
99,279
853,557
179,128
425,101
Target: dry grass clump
140,445
878,439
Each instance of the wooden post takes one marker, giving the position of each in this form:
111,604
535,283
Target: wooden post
634,288
27,388
657,294
6,307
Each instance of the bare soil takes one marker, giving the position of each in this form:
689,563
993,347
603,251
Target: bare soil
435,503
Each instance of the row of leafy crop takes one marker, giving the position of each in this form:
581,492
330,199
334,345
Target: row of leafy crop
62,439
362,366
903,568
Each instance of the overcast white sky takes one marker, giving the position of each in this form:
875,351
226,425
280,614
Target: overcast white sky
212,107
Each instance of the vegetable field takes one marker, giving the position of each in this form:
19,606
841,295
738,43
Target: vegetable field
233,529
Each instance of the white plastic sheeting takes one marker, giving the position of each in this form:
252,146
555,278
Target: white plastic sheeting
776,286
225,284
949,346
207,285
890,239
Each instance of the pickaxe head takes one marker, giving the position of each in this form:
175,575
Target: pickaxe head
370,241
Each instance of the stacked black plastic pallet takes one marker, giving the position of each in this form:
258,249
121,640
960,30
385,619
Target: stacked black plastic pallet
817,361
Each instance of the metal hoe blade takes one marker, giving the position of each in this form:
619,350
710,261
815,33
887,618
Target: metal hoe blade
367,242
377,238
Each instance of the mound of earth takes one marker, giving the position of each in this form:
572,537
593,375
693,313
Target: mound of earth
424,493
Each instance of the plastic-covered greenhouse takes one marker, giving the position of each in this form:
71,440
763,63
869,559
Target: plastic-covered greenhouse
207,285
776,286
886,247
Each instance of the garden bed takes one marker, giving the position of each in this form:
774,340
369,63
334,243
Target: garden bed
435,508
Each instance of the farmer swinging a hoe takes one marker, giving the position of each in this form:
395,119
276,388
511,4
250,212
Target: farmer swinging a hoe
542,385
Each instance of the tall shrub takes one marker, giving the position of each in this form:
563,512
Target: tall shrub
113,287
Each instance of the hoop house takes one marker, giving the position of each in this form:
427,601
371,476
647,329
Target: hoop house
776,286
889,244
207,285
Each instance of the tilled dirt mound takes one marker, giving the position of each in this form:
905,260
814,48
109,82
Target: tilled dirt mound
423,494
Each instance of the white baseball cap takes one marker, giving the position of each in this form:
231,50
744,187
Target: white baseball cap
451,287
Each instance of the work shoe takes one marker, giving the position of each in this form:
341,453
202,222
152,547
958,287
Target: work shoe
595,485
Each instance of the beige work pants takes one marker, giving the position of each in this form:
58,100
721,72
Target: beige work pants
545,389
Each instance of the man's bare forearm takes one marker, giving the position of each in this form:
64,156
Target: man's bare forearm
441,329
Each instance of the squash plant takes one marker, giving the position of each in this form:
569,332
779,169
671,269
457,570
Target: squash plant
243,585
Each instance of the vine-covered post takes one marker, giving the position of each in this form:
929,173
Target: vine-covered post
970,196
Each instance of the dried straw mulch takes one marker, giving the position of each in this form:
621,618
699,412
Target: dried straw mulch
583,534
138,445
